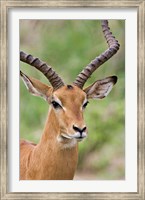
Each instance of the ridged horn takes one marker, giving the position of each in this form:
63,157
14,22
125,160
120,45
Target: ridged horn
50,74
98,61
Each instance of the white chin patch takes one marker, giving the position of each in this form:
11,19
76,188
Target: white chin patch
71,142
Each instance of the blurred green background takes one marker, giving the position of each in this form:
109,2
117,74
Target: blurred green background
68,46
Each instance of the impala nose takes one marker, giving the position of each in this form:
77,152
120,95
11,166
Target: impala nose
80,130
80,133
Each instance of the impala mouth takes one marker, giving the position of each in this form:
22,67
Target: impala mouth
66,136
77,137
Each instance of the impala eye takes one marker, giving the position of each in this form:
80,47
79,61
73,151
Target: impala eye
56,105
85,105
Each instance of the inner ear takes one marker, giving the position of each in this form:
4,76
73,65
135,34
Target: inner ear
37,88
100,88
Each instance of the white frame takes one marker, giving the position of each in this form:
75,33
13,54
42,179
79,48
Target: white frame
5,7
130,182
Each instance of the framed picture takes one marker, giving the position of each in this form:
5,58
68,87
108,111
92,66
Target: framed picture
23,26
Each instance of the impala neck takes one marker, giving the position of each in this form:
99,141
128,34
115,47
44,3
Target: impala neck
51,155
51,129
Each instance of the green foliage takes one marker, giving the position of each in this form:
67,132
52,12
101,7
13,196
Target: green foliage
68,46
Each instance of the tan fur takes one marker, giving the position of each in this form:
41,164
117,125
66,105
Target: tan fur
55,156
48,160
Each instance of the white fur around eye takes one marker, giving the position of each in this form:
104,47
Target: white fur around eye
57,100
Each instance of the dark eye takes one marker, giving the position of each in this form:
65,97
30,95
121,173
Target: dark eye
85,104
56,105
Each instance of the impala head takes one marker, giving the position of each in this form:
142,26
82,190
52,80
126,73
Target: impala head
68,102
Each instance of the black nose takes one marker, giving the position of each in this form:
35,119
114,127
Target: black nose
79,129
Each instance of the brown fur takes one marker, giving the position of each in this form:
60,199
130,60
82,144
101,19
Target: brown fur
48,160
55,156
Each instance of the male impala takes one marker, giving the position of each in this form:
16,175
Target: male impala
55,156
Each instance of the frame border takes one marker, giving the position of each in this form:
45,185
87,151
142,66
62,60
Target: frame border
5,5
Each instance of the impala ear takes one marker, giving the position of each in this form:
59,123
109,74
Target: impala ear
100,88
36,87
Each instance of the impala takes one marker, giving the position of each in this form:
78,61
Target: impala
55,156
